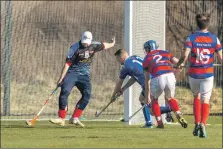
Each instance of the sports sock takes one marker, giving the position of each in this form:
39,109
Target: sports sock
146,114
156,108
173,105
204,113
62,113
77,113
165,109
197,110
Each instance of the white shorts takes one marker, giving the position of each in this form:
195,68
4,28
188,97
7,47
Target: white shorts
202,86
166,83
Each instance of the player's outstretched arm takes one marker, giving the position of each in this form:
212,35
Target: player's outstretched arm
219,53
218,50
109,45
117,89
70,56
147,87
184,57
128,84
63,73
175,60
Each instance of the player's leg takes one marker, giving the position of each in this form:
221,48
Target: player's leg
163,109
166,109
146,111
195,88
68,83
157,87
206,87
84,86
169,90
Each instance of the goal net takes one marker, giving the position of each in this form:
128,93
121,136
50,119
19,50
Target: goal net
144,20
36,35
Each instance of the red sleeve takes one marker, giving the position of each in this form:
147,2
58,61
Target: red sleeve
188,43
145,64
69,63
218,46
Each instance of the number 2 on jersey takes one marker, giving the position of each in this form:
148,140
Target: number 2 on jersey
158,58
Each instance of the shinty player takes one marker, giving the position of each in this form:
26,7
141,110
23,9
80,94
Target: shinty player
76,72
201,45
159,78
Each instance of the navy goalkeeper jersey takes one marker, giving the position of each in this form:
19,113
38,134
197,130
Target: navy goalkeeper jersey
79,57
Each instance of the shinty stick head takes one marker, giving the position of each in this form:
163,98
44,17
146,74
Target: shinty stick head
96,114
30,123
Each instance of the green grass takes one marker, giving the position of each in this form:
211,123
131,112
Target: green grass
107,135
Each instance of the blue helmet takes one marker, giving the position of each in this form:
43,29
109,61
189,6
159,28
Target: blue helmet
150,45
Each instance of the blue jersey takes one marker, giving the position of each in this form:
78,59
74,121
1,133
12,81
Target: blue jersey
79,58
133,67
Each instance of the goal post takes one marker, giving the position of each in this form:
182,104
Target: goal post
144,20
128,46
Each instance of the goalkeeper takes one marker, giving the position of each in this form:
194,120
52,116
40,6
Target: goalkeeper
76,72
132,66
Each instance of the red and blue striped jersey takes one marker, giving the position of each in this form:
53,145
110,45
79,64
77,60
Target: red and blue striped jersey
203,45
157,62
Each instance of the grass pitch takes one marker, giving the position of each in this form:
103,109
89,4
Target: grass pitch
14,134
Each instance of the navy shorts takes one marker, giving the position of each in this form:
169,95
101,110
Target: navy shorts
82,82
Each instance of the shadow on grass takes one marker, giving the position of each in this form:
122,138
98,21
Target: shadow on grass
12,126
92,137
40,127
